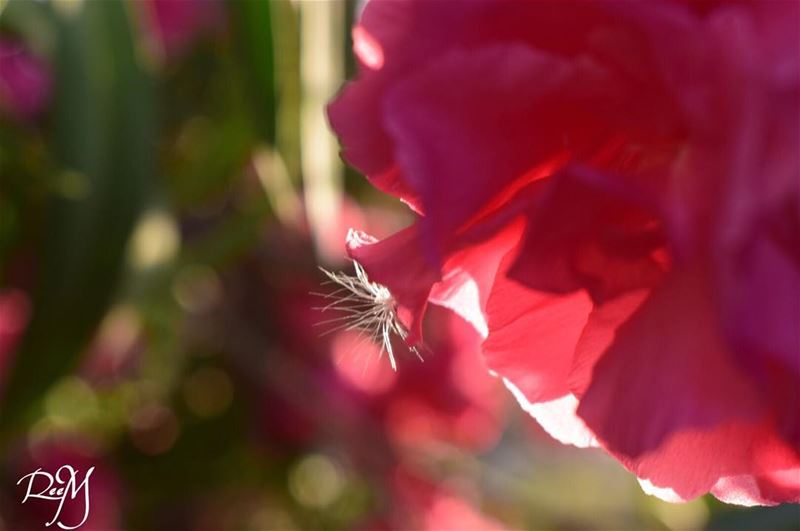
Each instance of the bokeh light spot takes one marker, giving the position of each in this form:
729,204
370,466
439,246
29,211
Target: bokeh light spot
196,288
208,392
681,516
358,362
316,481
155,240
70,403
73,185
153,429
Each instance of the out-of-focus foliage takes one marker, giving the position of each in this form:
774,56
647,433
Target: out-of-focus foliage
163,212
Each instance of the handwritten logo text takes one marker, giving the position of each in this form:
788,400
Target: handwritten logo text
63,487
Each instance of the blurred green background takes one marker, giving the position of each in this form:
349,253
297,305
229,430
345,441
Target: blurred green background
168,188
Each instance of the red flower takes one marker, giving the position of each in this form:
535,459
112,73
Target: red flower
176,24
446,398
15,309
421,504
608,192
25,82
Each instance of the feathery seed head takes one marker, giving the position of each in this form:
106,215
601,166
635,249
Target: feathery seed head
368,307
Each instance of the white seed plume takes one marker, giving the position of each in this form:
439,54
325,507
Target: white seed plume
368,307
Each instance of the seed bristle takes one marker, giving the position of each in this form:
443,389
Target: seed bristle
368,308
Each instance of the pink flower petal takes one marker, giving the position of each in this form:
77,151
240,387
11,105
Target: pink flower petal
692,462
668,370
445,104
557,417
532,336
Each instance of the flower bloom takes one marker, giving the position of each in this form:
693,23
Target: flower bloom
608,192
429,506
25,82
447,398
176,24
15,310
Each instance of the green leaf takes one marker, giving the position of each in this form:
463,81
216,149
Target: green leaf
103,135
253,23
